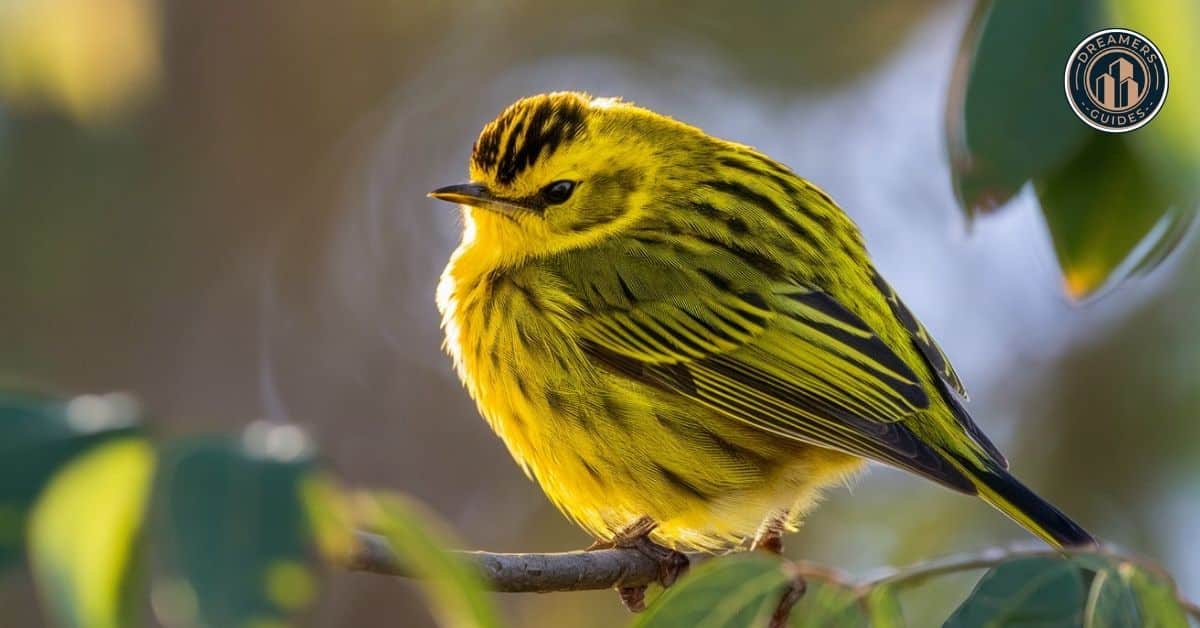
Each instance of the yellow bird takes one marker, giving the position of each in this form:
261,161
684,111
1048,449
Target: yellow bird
678,337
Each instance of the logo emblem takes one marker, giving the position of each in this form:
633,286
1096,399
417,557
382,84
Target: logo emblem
1116,80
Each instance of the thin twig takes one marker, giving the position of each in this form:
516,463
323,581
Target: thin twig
917,573
1191,608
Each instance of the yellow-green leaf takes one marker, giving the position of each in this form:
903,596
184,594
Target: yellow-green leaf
1170,144
48,53
329,517
1158,604
453,589
84,534
883,608
1108,217
38,435
727,592
830,605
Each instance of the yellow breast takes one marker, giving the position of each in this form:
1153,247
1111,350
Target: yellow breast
509,336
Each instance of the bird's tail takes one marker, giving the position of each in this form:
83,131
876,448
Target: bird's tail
999,488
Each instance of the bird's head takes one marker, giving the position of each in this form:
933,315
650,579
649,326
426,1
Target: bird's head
565,170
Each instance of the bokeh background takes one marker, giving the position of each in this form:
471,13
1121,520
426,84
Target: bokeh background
220,206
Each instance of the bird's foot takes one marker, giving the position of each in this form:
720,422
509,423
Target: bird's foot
671,564
770,540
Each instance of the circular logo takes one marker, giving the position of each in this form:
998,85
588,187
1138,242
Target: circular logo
1116,80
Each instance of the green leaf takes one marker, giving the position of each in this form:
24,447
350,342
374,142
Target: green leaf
732,591
828,605
1107,216
329,517
1007,118
231,536
1170,144
453,589
84,534
1110,602
1025,593
1124,593
1158,604
884,609
38,435
1087,590
1114,205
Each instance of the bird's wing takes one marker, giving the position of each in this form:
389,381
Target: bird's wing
937,360
920,337
786,358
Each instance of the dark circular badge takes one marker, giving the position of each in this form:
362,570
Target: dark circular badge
1116,80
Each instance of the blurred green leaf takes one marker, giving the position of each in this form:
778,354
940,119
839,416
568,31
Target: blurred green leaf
1170,145
1007,120
1110,602
828,605
1025,593
1107,216
231,537
1114,205
38,435
1089,590
329,517
455,592
1157,602
84,535
884,608
1124,593
48,55
731,591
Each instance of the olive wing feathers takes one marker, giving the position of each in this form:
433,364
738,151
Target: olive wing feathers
785,358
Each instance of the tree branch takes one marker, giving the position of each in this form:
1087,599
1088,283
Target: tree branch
526,573
609,568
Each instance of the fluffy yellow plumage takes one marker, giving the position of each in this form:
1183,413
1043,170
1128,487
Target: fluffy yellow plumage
663,324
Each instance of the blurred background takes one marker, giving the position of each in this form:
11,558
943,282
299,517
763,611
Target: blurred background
220,206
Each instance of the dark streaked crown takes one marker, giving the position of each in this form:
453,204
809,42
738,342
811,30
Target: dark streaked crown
529,129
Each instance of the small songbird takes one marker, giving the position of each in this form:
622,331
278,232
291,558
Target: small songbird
683,341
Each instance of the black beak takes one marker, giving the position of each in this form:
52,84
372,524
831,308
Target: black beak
462,193
476,195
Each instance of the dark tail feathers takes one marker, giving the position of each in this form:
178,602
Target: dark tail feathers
1000,489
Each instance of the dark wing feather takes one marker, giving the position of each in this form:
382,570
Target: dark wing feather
786,359
940,364
920,337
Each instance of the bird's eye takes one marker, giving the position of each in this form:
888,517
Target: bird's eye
558,192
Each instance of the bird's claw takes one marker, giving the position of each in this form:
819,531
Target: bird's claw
769,541
671,563
634,598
